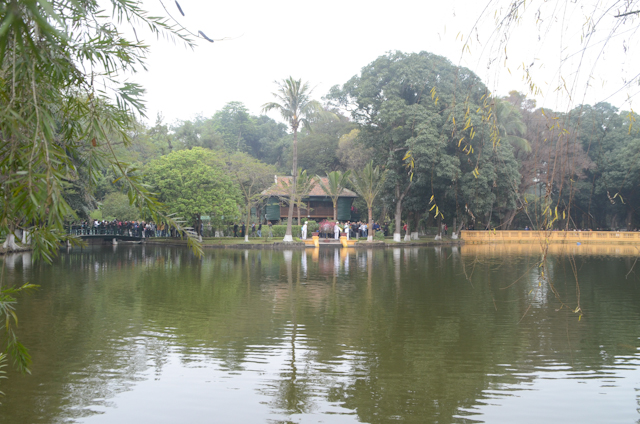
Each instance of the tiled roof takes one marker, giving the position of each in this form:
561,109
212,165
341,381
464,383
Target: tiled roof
282,188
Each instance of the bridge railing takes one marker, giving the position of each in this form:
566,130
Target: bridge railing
98,231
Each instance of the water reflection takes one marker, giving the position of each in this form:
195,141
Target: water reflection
152,334
556,249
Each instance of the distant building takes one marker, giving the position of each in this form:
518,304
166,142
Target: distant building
319,204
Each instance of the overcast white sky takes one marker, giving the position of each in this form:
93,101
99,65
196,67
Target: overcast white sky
328,42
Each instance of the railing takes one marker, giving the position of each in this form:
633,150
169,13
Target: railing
551,236
106,231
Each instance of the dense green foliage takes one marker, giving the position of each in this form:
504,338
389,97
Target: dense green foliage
60,125
445,144
193,183
116,205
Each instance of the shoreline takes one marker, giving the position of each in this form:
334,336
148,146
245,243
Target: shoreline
22,249
279,245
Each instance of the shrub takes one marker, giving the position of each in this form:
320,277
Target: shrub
280,230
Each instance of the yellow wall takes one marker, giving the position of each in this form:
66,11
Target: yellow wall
606,237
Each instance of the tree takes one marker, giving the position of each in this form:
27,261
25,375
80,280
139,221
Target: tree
317,153
336,182
233,122
252,176
306,183
603,29
57,122
508,127
296,107
116,205
420,114
368,183
192,183
319,150
508,121
199,133
160,137
352,153
55,57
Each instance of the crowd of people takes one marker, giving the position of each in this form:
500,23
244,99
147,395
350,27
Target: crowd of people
255,230
122,228
355,229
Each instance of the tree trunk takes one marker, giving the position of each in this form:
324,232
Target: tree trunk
10,242
489,215
26,237
370,226
396,234
454,233
287,234
439,224
508,219
429,222
629,218
406,234
198,226
246,233
383,214
335,210
399,198
416,221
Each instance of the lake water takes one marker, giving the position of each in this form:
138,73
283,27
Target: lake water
151,334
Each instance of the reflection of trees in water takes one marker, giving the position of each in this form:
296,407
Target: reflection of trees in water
389,333
296,384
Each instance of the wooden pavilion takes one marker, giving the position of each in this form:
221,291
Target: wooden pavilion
319,205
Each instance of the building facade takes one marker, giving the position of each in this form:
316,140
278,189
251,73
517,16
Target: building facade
318,205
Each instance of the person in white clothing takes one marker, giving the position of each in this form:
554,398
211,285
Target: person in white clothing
304,230
336,231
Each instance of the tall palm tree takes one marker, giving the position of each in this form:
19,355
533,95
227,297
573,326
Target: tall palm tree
336,182
368,184
296,107
305,183
510,126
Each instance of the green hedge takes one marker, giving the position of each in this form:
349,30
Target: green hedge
279,230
